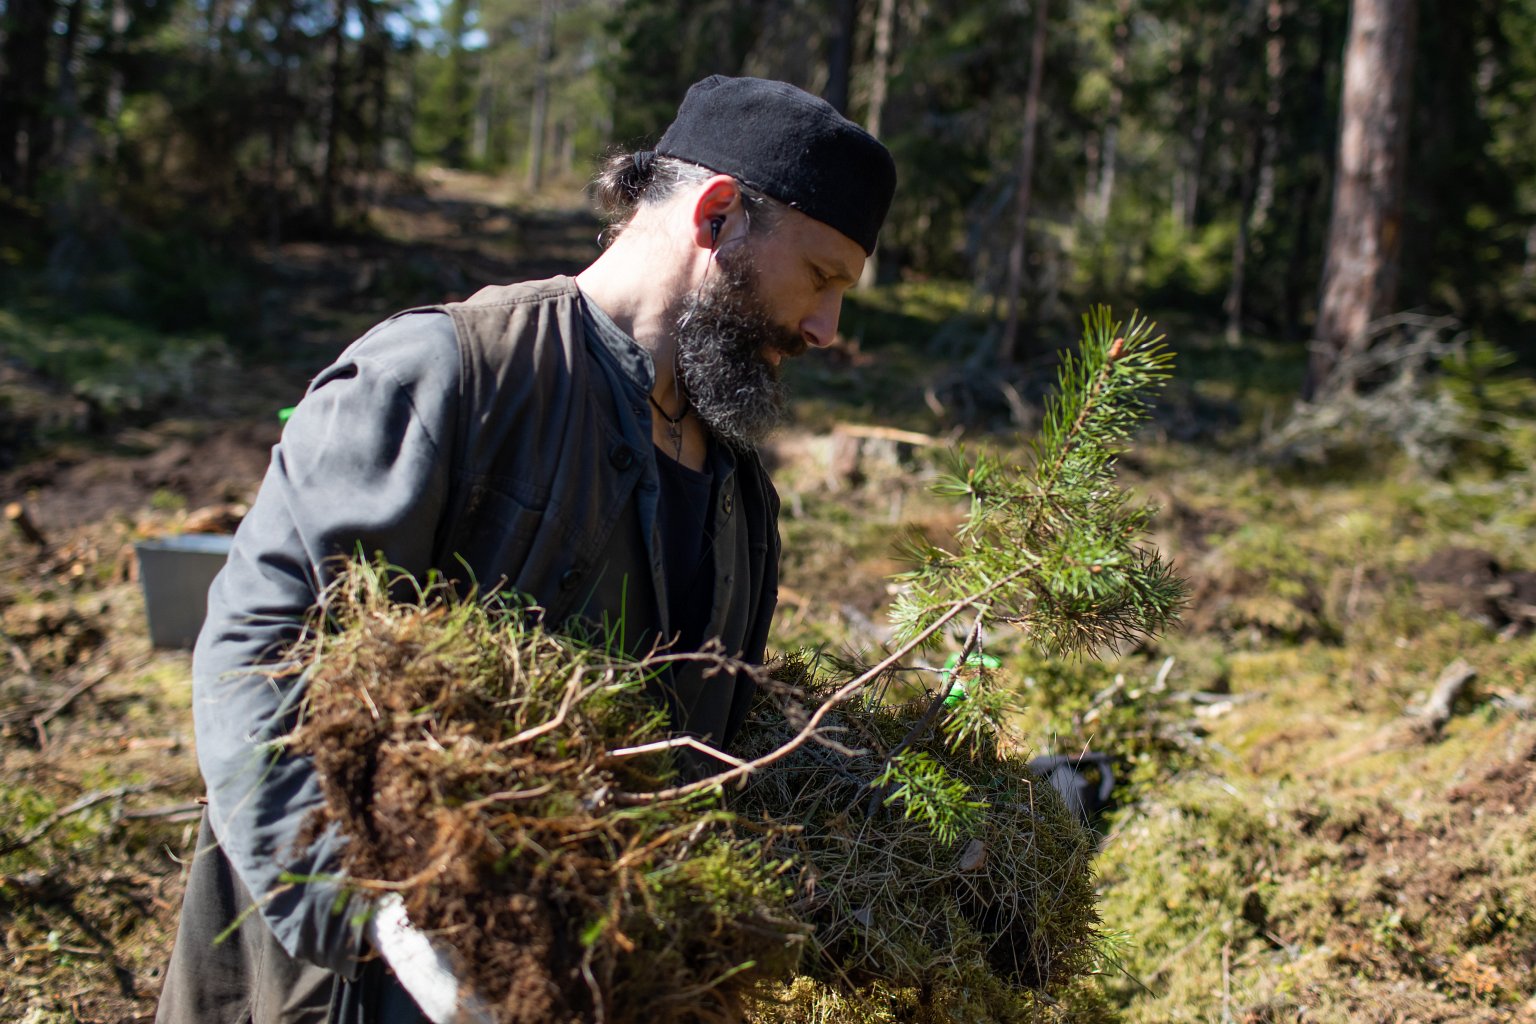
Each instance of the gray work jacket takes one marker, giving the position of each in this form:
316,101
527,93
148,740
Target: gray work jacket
494,441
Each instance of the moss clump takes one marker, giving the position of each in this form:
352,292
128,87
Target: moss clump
469,756
912,925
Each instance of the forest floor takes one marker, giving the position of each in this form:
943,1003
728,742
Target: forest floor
1295,839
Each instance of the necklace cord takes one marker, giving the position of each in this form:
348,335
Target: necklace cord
674,426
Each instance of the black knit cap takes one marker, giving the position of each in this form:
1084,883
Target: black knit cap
789,145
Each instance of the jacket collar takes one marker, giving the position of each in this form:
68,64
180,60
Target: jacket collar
633,361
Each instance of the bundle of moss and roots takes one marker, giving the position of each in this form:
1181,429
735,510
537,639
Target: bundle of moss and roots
472,759
945,884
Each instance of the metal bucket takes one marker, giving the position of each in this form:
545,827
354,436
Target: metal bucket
175,573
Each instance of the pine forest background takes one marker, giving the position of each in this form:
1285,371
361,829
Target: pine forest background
1172,153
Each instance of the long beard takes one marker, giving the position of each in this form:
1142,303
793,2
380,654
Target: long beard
722,332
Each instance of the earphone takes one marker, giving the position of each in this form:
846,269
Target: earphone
714,230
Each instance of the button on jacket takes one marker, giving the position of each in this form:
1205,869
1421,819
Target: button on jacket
497,442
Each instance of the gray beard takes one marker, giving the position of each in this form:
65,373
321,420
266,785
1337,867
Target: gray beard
722,332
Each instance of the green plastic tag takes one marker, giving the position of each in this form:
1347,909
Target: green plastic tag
957,691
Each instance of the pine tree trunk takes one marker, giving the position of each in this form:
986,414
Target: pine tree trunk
1105,191
456,143
69,126
330,164
485,88
879,90
1257,181
845,24
24,124
1528,272
1365,228
1016,251
539,121
1187,200
1274,78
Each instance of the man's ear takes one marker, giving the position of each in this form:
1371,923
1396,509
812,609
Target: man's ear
719,200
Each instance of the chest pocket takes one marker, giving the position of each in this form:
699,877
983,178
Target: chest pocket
496,529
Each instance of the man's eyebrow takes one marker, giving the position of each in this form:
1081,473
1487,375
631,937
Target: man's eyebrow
834,269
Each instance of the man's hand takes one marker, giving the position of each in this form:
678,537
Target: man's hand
424,970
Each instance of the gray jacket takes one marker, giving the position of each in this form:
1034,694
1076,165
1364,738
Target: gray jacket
496,442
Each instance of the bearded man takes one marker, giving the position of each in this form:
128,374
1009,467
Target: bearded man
589,442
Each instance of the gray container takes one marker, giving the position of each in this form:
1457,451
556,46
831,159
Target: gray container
175,573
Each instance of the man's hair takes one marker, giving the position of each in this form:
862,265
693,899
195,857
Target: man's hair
628,181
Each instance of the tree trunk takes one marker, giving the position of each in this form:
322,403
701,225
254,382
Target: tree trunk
24,122
879,90
485,88
845,23
69,126
456,142
1257,185
538,123
1016,251
1104,193
1233,306
1187,197
1528,272
1365,228
1274,77
330,164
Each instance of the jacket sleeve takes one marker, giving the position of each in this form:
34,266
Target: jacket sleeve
364,460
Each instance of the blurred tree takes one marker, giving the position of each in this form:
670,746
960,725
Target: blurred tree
1365,230
25,126
443,117
1024,182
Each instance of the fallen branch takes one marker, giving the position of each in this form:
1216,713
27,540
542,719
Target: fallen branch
1436,711
18,516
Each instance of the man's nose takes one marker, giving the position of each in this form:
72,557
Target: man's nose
819,329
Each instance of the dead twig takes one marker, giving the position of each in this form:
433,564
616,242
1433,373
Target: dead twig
85,803
48,714
172,813
19,656
813,724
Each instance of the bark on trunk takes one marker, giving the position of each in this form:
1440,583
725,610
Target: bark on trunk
1105,191
1365,229
68,126
330,166
24,123
539,121
1016,251
845,15
879,89
457,141
1258,177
